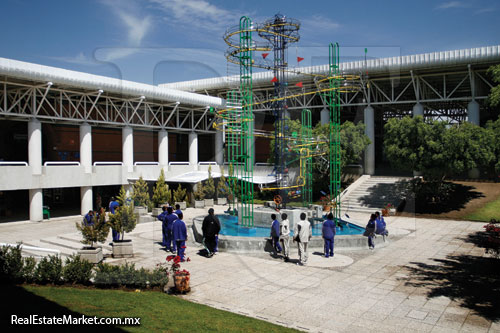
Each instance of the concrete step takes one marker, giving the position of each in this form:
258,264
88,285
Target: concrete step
75,246
64,251
77,239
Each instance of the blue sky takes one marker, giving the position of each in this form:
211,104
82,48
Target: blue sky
156,41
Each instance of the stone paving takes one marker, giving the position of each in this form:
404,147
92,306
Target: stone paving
397,288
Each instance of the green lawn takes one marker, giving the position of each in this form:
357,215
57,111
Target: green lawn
489,211
158,311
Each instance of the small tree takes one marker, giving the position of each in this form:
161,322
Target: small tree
222,185
161,192
199,194
209,188
141,193
98,232
124,219
179,194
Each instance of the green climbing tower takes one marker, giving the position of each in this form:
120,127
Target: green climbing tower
306,157
333,99
245,213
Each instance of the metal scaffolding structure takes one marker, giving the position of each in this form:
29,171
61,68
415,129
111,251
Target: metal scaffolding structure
306,156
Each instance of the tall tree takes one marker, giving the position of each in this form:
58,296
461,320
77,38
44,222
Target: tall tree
209,187
161,192
179,194
124,219
140,193
494,97
222,185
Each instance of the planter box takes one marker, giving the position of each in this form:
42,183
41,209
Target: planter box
156,212
93,255
222,201
123,249
139,210
209,202
199,204
182,204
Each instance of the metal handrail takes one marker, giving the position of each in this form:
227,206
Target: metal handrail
58,163
14,163
146,163
107,163
179,163
207,163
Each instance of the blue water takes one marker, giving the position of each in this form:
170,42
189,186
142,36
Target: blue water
230,227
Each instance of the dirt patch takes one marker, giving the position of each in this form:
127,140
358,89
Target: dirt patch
488,191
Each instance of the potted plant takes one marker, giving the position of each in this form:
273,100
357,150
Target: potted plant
140,196
199,195
161,194
222,189
180,196
209,189
386,211
181,277
123,220
95,231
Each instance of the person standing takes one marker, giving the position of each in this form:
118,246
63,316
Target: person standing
88,219
285,236
370,230
180,235
178,209
210,228
328,232
168,221
275,235
113,205
302,234
161,217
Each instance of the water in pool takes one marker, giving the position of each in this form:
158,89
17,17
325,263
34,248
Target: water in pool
230,227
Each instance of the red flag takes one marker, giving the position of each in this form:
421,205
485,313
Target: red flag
299,59
274,79
299,84
264,55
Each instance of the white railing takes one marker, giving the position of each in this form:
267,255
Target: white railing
107,163
179,163
207,163
14,163
59,163
263,164
146,163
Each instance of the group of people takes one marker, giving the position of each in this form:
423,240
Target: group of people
302,233
174,231
376,226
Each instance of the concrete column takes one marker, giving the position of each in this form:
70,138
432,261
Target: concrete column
163,148
473,118
193,150
325,116
219,147
128,148
36,205
129,188
370,132
86,147
35,146
418,110
473,112
86,199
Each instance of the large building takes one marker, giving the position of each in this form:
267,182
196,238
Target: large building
70,139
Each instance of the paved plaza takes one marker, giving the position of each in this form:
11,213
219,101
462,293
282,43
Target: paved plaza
433,279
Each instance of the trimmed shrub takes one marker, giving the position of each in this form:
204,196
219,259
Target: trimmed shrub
49,270
108,276
11,264
77,271
29,268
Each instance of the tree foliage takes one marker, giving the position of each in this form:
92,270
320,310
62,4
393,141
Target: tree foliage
199,194
161,192
494,97
179,194
222,185
435,149
140,193
124,219
209,186
494,128
98,232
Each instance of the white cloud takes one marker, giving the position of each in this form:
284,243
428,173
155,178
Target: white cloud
485,10
319,22
452,4
79,59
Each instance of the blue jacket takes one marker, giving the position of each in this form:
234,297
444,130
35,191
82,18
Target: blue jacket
179,230
112,206
178,211
275,229
88,219
380,225
161,217
328,230
169,220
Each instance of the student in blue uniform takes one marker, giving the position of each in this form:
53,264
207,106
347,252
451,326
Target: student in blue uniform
381,225
178,209
88,218
113,205
371,228
161,217
168,220
180,236
275,234
328,231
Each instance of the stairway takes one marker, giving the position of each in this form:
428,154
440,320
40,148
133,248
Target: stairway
373,194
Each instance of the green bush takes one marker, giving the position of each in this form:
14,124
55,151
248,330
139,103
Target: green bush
77,271
11,264
108,276
49,270
29,269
